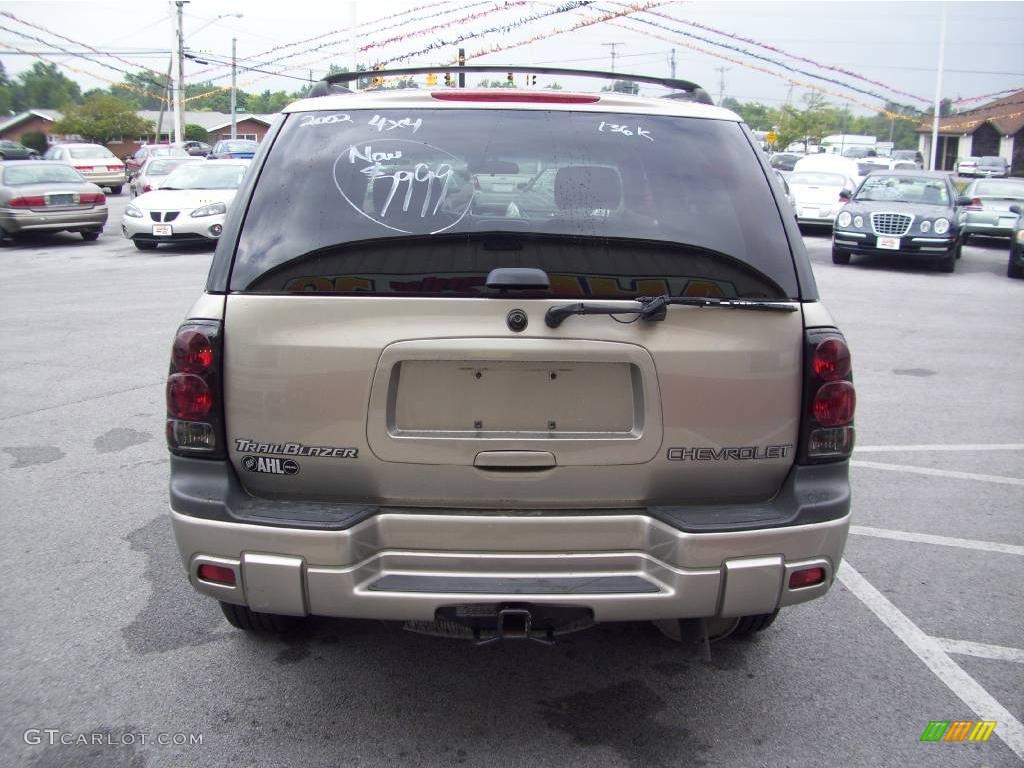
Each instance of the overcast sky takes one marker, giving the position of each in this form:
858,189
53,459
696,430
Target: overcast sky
893,43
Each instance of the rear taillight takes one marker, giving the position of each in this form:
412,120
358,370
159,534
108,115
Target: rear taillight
147,188
830,399
95,198
34,201
974,205
83,168
195,408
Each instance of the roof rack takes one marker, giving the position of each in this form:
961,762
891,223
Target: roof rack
684,89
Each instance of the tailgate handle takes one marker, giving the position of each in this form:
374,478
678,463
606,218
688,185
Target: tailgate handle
514,460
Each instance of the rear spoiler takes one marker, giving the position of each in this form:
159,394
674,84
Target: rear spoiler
681,89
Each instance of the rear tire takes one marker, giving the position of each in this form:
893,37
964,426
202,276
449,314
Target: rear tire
90,235
116,190
965,238
748,625
839,257
240,617
144,245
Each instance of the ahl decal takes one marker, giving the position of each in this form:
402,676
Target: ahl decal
242,445
269,465
744,453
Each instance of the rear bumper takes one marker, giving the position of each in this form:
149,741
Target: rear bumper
405,564
43,221
106,178
991,224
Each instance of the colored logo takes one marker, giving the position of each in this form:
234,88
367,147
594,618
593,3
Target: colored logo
958,730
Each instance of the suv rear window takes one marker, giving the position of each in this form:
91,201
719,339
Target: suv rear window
429,201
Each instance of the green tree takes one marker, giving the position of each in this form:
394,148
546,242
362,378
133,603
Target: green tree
35,140
622,86
494,84
44,87
268,101
101,119
143,90
6,94
195,132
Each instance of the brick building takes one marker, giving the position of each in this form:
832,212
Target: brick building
995,129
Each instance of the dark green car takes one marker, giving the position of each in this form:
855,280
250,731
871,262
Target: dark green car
12,150
1015,267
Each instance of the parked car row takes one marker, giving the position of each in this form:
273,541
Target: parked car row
921,215
990,166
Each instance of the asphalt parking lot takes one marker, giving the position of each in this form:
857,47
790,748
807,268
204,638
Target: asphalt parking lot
103,635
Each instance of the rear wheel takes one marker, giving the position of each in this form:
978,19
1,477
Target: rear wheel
144,245
242,618
115,190
840,257
965,238
748,625
90,235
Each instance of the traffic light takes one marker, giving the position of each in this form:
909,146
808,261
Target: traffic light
511,79
448,79
431,79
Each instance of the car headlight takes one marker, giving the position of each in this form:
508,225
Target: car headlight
1020,235
844,219
212,209
858,221
926,225
941,226
133,212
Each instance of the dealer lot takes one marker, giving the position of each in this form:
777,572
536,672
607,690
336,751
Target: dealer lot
102,633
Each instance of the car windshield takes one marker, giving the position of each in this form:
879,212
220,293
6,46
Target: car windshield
239,146
169,152
90,150
903,189
1006,188
856,152
995,162
817,179
205,176
607,204
163,166
904,154
41,173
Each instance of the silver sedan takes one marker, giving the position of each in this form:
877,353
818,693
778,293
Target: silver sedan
154,171
49,197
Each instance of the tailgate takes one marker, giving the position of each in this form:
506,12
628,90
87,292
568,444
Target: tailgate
435,402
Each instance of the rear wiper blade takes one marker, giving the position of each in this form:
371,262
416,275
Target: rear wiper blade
654,307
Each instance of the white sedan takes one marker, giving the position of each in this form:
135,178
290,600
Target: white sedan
816,195
189,206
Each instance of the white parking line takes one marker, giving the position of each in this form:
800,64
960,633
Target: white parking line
919,448
980,650
930,651
938,472
931,538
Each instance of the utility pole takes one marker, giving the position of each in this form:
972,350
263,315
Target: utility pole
234,122
934,160
179,91
164,102
612,46
672,63
721,82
